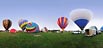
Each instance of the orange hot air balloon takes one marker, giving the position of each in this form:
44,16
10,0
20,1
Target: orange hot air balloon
7,24
62,22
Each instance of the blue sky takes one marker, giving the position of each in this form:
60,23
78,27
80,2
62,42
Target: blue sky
46,12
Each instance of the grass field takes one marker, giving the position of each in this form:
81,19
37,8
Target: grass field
49,40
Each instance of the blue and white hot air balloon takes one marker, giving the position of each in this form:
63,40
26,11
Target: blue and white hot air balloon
81,17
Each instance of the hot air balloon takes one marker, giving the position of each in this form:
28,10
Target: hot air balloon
7,24
81,17
44,29
32,27
62,22
91,31
101,29
12,30
22,24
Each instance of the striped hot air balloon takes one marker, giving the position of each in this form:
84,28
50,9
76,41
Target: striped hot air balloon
22,24
7,24
32,27
62,22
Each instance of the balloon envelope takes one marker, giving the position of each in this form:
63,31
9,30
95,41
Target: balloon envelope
101,28
94,28
32,27
81,23
44,29
62,22
22,24
7,23
13,31
81,17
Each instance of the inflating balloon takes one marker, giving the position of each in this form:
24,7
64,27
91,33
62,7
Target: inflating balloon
101,29
22,24
32,27
81,17
62,22
12,31
44,29
91,31
7,24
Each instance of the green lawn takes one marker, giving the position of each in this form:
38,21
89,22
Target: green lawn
49,40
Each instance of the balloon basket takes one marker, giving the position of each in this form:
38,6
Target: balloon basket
62,31
82,32
6,30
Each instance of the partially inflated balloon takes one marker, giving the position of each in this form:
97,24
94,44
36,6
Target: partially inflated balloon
22,24
7,23
101,29
12,31
81,17
32,27
44,29
62,22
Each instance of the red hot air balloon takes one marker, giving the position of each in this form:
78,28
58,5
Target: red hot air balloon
7,24
12,30
62,22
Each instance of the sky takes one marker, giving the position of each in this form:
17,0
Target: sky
46,12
